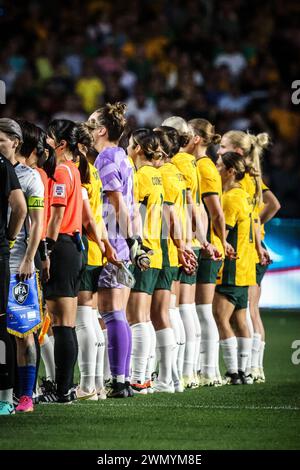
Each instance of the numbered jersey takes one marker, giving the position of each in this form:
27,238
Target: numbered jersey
151,195
239,221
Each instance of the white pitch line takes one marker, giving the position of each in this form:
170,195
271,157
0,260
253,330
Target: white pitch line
208,407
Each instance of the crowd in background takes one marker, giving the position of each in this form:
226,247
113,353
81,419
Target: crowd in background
231,62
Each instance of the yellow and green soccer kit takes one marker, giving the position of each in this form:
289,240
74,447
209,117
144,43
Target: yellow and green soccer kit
135,182
239,221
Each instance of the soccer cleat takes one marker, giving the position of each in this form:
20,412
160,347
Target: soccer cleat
15,400
149,386
188,381
207,381
130,392
255,372
245,379
262,375
25,404
116,389
161,387
82,395
139,389
66,398
6,408
178,386
101,394
232,379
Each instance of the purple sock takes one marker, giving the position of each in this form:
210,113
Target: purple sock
128,357
116,324
27,380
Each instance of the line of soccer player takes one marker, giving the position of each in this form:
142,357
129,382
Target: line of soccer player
110,207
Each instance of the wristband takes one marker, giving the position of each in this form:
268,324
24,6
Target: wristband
50,244
43,251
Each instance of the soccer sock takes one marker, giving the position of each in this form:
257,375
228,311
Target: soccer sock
87,343
181,350
65,357
250,327
27,379
128,356
186,312
176,329
229,350
141,342
106,366
198,339
7,366
209,340
38,360
244,346
117,336
261,354
217,364
100,351
151,362
47,353
76,349
166,344
255,350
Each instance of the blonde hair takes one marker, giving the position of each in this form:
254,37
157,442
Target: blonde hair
111,116
252,147
206,130
184,130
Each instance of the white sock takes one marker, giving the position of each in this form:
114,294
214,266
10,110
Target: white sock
7,395
87,347
166,344
255,350
250,327
209,340
261,354
181,350
106,366
198,339
151,362
229,350
99,368
47,353
186,312
244,346
173,314
141,343
51,338
217,364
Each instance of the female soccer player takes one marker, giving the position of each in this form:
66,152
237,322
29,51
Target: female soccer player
238,274
211,196
186,164
65,248
251,147
115,171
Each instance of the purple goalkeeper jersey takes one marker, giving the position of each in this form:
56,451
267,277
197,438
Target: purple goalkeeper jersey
116,174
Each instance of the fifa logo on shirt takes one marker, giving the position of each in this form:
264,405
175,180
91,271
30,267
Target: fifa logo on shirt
2,92
296,93
296,354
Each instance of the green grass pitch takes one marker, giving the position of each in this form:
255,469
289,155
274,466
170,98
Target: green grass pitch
262,416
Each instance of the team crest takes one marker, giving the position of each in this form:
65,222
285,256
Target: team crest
20,292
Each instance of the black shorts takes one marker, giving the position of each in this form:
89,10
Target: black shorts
4,282
66,268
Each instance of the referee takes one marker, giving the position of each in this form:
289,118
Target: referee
10,194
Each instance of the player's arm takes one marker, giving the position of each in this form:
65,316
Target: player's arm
121,211
217,218
36,227
18,214
271,206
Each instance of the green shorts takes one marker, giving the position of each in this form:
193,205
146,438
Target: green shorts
90,277
208,271
237,295
166,277
190,278
145,281
260,272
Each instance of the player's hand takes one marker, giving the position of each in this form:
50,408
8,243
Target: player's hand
46,270
142,259
264,257
188,260
134,244
26,269
111,256
230,251
208,250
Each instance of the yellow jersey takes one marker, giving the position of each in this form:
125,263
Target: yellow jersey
174,194
264,188
94,190
135,182
150,197
186,164
211,184
239,221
